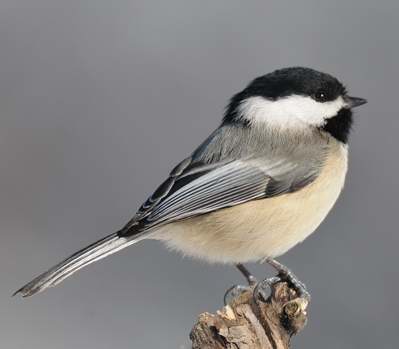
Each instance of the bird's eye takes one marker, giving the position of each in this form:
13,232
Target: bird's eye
321,96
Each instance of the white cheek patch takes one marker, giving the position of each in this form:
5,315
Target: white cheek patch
289,112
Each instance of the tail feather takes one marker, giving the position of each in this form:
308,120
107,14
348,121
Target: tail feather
92,253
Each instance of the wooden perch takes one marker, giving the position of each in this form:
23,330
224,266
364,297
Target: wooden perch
249,324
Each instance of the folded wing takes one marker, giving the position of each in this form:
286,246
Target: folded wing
199,189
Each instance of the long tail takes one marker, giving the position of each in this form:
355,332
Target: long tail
96,251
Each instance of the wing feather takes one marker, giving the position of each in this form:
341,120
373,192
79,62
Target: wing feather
227,186
222,173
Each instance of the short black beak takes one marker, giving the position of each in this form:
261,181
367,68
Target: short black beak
353,102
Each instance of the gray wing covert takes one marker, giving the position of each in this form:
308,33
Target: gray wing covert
227,185
194,188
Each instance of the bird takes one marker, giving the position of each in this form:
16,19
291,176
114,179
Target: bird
262,182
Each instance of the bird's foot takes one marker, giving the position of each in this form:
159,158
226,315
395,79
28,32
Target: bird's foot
285,274
236,290
261,289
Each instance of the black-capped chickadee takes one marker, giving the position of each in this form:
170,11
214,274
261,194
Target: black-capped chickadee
259,184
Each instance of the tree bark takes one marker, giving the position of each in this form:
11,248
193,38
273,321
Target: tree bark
249,323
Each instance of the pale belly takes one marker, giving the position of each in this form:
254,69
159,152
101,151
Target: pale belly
261,228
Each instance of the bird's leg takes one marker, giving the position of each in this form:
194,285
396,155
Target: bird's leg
247,274
286,274
235,290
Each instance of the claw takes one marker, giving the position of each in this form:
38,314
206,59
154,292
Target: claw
259,291
287,275
233,292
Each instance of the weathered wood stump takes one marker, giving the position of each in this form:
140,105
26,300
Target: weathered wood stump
247,323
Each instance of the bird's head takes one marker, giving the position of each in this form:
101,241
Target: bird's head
295,99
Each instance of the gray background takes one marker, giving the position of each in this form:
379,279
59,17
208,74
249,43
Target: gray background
99,99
